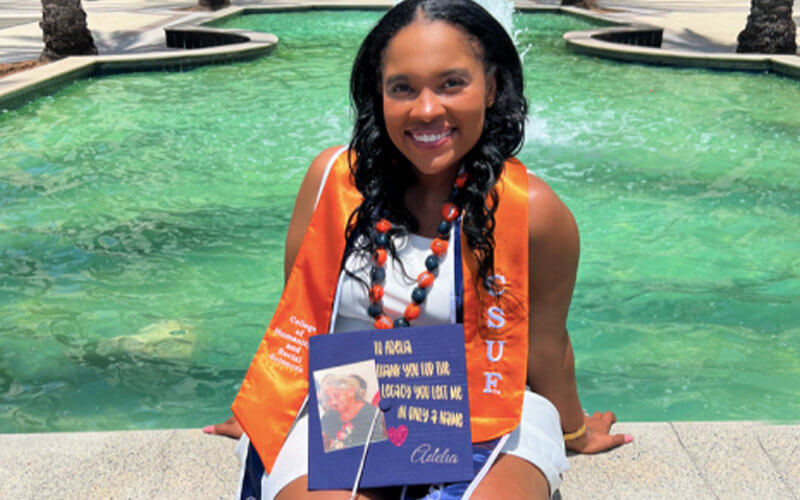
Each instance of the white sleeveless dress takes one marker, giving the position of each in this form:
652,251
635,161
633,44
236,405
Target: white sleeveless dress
538,438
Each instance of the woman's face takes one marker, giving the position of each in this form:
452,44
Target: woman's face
340,398
435,94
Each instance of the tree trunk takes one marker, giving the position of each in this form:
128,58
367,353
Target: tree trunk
584,4
215,4
64,30
770,28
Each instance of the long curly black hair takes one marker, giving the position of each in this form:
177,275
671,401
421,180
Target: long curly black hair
382,174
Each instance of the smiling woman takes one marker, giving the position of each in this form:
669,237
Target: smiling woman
429,183
435,95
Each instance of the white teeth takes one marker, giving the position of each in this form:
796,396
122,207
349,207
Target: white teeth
430,137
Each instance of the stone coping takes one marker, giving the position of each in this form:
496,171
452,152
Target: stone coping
588,42
592,42
666,460
18,88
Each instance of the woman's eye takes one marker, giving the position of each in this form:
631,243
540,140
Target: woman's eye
453,83
400,88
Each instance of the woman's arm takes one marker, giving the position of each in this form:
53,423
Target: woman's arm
554,249
301,217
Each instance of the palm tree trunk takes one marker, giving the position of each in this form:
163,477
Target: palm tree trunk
770,28
584,4
214,4
64,30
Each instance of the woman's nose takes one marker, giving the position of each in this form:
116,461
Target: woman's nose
427,106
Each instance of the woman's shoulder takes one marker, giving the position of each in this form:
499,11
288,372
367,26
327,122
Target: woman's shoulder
545,208
550,221
326,156
319,165
315,175
306,201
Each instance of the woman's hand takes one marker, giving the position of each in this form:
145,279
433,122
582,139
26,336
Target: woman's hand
229,428
301,217
596,438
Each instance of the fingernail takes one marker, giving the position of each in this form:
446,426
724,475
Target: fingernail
209,429
628,438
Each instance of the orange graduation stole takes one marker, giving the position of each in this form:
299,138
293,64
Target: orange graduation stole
495,322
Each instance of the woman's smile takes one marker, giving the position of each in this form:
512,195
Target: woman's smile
431,137
435,94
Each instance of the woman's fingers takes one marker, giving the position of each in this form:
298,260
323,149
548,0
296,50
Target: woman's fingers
229,428
612,441
599,439
605,442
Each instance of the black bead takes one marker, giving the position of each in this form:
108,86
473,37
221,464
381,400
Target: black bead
453,194
378,274
432,263
418,295
444,228
382,239
400,323
374,309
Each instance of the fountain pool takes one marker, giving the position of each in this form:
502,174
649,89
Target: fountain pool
142,219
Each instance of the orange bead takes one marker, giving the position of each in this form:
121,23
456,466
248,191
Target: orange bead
450,212
380,256
383,226
412,312
425,279
383,323
461,179
438,247
375,293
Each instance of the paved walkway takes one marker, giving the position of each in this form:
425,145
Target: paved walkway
702,25
118,26
678,460
124,26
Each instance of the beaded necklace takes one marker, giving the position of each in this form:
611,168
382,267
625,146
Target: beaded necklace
450,212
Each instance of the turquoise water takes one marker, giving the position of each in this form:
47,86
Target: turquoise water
142,219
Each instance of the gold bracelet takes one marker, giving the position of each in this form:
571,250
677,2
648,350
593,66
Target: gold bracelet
576,434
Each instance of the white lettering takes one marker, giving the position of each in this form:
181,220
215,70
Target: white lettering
292,357
283,362
289,337
494,358
491,382
496,318
493,288
302,324
423,454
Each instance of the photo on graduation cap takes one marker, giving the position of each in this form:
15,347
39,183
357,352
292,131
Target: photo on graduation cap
347,399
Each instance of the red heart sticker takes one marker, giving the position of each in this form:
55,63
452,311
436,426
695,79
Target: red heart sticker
397,435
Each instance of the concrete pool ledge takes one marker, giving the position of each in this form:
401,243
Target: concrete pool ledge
196,44
204,48
22,86
666,460
638,49
590,43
